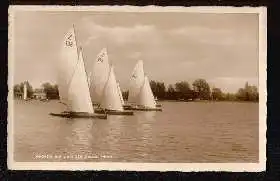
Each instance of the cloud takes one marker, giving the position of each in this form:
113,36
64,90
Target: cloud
120,35
222,36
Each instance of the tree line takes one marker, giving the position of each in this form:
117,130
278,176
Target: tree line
180,91
200,90
51,91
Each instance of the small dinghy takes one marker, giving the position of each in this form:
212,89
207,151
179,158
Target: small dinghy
73,84
141,97
112,99
107,92
99,75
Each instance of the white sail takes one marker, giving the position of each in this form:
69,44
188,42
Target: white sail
120,94
99,76
146,97
67,63
136,82
24,91
78,93
111,99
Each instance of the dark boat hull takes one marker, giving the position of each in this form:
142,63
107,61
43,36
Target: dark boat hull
137,108
79,115
127,107
113,112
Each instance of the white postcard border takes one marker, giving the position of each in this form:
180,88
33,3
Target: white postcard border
121,166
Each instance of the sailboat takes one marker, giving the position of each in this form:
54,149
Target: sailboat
73,86
140,93
111,99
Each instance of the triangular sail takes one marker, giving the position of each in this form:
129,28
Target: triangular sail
99,76
67,63
146,97
111,99
24,91
136,82
78,93
120,94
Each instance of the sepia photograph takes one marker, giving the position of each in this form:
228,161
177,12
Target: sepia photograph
137,88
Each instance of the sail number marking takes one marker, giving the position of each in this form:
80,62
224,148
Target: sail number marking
69,41
100,58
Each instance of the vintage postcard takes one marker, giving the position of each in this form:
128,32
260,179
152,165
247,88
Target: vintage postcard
137,88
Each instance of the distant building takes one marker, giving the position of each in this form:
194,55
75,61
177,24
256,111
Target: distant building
39,94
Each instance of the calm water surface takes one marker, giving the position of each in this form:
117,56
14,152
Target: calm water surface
183,132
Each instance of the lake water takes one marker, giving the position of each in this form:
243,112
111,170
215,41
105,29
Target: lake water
183,132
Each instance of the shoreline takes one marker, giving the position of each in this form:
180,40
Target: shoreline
206,101
166,100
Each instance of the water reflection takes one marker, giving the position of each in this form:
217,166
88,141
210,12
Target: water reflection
183,132
145,121
114,134
81,136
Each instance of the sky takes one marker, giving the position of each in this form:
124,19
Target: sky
174,46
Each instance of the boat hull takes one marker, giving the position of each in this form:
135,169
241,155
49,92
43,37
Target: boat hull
79,115
138,108
113,112
129,106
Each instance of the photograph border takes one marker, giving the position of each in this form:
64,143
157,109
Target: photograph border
126,166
